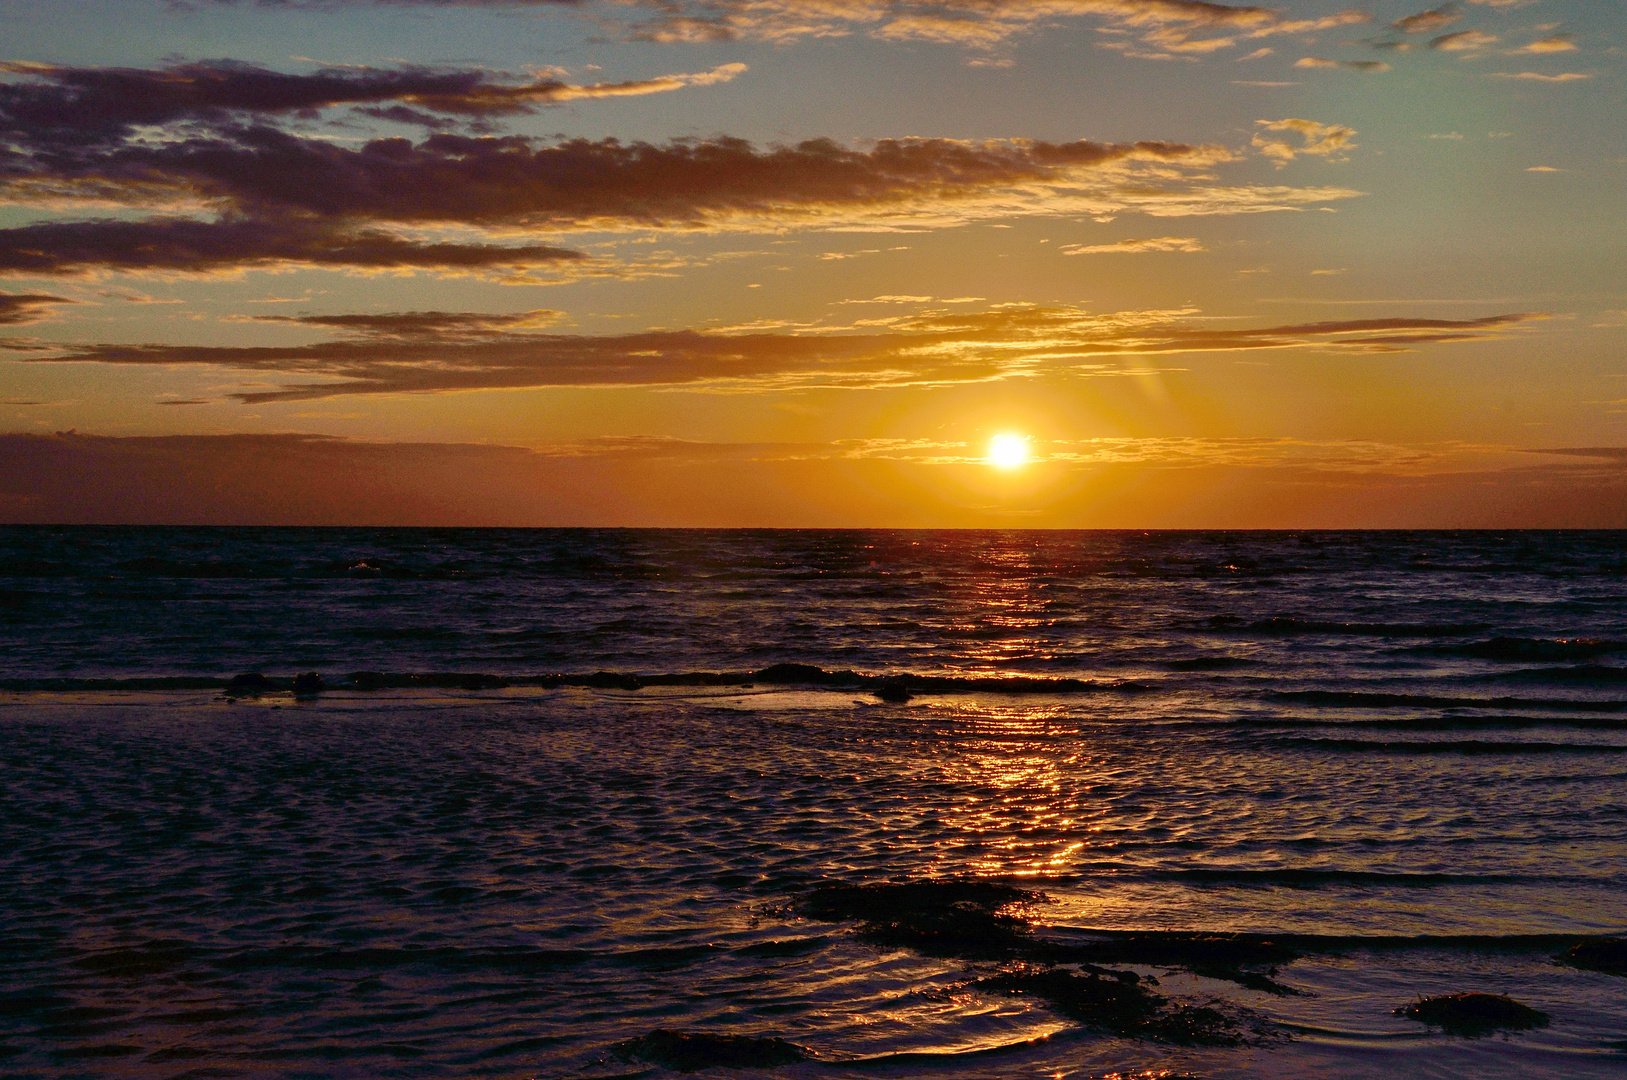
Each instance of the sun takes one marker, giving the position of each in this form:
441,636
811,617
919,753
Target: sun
1008,451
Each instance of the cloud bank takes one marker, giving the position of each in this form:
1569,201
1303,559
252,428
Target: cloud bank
213,156
294,479
428,352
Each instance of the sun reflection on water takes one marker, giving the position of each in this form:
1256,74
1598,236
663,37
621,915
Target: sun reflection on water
1020,812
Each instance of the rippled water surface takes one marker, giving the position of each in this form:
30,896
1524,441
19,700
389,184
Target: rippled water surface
1390,765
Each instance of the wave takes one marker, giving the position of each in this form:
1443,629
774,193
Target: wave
1581,675
1210,663
890,687
1433,723
158,957
1526,649
692,1051
172,682
1456,746
1316,877
952,1058
1286,625
1335,943
1365,699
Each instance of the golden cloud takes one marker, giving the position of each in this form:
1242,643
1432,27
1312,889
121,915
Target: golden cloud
426,352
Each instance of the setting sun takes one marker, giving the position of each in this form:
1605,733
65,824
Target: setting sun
1008,451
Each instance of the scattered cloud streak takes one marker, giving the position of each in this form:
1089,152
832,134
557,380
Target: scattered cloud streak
1556,44
1155,29
422,352
1136,247
1464,41
423,325
1534,76
1330,141
1161,29
82,105
232,243
1427,22
1370,66
20,309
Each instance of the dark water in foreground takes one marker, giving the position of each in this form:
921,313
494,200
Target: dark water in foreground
1392,765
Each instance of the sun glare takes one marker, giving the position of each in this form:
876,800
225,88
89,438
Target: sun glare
1008,451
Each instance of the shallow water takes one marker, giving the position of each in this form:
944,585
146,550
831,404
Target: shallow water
1404,756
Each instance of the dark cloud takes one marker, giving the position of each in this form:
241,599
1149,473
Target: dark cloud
437,351
509,180
1463,41
211,151
242,479
1352,65
423,325
17,309
184,245
1426,22
74,106
282,197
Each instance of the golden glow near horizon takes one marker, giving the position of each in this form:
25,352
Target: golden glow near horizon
1008,451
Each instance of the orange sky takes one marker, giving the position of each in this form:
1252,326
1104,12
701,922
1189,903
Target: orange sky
780,263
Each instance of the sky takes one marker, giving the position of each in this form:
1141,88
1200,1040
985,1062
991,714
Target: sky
809,263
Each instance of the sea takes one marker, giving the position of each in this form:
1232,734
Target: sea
812,804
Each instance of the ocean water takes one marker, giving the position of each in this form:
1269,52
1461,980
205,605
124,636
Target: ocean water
596,803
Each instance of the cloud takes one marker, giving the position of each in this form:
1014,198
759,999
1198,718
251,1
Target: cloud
1164,28
211,153
1351,17
1353,65
1464,41
211,146
1167,28
1532,76
1330,141
20,309
1135,247
1608,453
1426,22
1556,44
187,246
86,106
578,183
421,352
423,325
